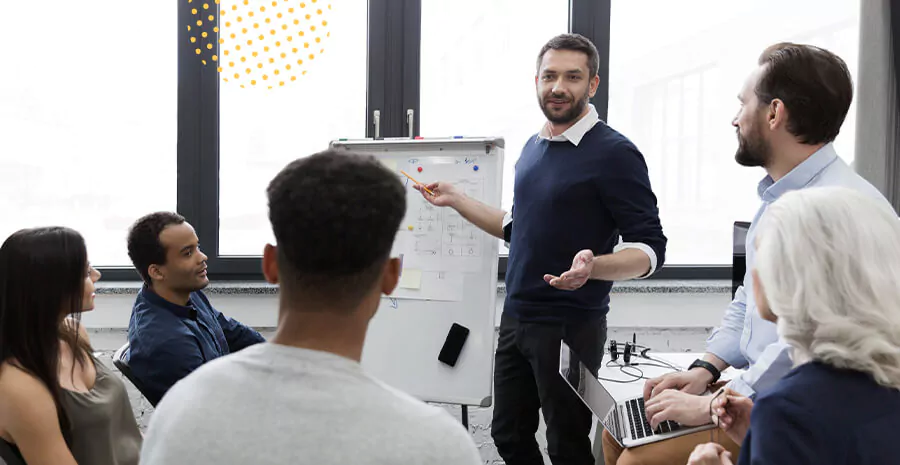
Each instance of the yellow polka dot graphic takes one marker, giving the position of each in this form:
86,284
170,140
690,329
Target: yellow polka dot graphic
253,32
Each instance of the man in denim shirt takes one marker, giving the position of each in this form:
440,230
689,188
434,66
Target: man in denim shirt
173,328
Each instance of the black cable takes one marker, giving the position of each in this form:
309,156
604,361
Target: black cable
663,362
666,367
622,381
643,350
639,376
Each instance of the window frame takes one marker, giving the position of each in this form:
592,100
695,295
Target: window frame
393,77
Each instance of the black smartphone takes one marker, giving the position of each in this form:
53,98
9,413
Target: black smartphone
453,344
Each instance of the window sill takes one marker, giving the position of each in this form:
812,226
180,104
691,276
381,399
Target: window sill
650,286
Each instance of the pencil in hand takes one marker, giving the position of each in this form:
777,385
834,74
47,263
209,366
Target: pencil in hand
417,182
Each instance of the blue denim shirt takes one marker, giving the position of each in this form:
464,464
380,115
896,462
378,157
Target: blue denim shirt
744,338
168,341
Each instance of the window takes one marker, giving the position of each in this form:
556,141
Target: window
478,65
675,98
88,119
263,129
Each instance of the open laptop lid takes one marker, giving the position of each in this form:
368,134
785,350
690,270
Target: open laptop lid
590,390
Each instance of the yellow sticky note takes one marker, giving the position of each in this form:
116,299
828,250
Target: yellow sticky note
411,279
389,163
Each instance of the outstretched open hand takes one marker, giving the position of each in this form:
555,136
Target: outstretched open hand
580,273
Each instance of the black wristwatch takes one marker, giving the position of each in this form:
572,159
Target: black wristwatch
709,367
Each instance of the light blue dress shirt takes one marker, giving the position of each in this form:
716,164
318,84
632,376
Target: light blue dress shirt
744,338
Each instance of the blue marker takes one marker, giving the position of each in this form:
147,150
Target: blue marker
475,167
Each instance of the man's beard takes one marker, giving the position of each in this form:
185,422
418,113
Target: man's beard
753,150
569,116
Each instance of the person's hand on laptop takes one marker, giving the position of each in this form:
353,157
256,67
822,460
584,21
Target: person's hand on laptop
692,382
710,454
680,407
733,413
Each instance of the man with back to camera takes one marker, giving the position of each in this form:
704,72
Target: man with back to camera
173,328
792,108
304,398
579,185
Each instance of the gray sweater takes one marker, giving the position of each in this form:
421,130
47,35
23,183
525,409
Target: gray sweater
273,404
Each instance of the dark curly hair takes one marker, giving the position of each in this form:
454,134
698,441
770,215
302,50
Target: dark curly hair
334,216
144,247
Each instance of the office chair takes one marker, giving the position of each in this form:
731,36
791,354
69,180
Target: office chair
9,455
120,360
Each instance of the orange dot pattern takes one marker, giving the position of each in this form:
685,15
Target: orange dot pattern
262,54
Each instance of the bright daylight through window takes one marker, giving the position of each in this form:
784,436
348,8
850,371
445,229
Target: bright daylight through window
88,125
262,129
676,98
478,67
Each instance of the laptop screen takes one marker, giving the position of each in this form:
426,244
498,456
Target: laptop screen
588,387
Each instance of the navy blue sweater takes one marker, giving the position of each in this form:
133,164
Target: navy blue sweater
821,415
569,198
168,341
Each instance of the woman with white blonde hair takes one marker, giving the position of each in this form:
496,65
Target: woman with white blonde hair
827,272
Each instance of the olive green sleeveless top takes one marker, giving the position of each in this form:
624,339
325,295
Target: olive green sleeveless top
104,431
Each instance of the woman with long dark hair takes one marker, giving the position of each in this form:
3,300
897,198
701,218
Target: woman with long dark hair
58,404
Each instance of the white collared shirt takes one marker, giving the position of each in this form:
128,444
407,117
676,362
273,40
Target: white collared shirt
576,132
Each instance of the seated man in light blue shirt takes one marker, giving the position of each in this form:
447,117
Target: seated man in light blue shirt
792,108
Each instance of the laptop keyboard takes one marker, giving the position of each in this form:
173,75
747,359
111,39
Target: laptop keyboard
640,427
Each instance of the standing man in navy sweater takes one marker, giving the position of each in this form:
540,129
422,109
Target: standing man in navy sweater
579,186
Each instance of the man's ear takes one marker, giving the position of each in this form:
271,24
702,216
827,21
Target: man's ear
595,83
270,264
155,272
777,114
391,276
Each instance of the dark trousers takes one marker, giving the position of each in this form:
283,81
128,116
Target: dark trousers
526,378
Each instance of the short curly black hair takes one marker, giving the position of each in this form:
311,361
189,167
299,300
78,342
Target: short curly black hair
144,247
335,216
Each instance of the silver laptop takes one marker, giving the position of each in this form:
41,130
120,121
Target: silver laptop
624,419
